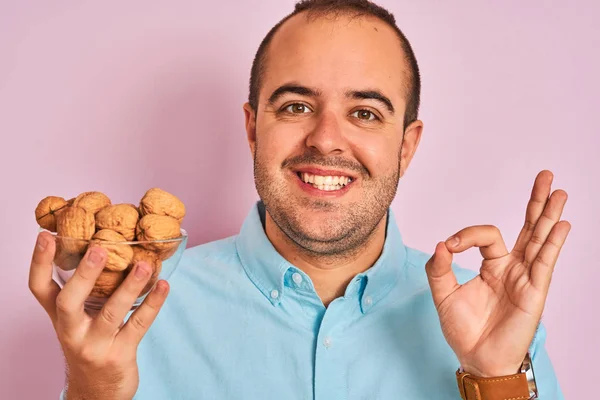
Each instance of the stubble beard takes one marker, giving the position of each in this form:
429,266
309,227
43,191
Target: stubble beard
338,238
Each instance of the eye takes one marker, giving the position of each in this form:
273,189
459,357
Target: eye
297,108
365,115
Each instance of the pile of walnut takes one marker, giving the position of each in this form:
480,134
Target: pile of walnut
90,219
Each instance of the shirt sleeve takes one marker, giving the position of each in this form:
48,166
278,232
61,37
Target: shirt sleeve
545,376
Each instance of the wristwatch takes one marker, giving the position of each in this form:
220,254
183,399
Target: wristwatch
520,386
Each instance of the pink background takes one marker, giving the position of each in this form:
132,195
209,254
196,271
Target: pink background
124,96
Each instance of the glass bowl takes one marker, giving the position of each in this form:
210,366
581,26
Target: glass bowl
163,256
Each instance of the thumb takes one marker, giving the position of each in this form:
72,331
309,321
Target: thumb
442,280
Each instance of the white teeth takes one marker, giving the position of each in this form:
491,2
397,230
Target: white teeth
326,183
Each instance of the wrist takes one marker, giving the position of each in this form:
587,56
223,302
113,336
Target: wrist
72,393
78,390
520,384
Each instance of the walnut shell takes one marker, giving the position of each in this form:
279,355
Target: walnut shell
151,258
75,223
92,201
142,254
136,208
167,250
119,254
121,218
107,283
65,260
45,212
159,227
159,202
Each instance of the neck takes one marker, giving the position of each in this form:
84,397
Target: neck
330,274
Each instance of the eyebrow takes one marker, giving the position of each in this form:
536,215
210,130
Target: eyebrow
294,89
371,95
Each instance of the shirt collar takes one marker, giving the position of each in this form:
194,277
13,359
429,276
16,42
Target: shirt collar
269,271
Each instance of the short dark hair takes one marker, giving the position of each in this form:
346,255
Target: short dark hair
337,7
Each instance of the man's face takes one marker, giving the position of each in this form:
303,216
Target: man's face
327,138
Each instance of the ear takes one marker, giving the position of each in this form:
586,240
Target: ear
250,117
411,139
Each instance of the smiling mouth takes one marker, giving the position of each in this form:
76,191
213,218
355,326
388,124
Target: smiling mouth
325,183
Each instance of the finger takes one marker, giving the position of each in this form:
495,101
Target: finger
543,266
550,216
111,316
487,237
442,280
70,301
535,208
41,283
138,323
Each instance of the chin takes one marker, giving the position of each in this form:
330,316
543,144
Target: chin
319,230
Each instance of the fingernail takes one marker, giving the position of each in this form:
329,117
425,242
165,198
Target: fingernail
142,271
94,258
453,241
42,243
160,288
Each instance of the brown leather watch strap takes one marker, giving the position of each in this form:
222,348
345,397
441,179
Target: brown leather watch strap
509,387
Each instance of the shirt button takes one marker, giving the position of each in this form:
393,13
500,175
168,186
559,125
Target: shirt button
368,301
274,293
327,342
297,278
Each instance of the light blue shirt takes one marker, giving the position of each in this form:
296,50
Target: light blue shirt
241,322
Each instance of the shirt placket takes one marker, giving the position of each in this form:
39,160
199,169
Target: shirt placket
330,377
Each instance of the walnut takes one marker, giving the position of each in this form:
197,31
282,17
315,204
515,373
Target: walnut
159,202
74,226
92,201
167,250
119,254
65,260
136,208
152,259
45,212
122,218
142,254
107,283
159,227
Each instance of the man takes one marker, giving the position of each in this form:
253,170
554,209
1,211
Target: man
318,297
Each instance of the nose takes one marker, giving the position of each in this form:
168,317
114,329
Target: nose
326,136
